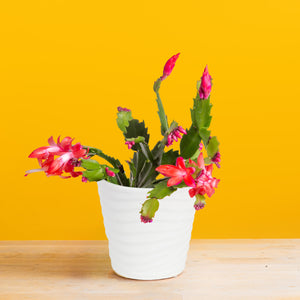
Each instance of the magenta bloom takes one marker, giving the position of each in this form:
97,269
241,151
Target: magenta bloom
122,109
205,86
68,157
178,173
175,135
109,172
146,219
205,183
169,66
216,159
130,144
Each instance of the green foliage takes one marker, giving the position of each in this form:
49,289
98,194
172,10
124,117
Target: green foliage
190,143
90,164
200,113
213,147
169,158
136,129
123,120
95,171
161,112
121,177
204,134
94,175
149,208
161,190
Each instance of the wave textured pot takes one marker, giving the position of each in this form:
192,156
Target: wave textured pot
146,251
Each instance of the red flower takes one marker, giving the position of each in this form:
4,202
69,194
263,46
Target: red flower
169,66
68,157
205,183
205,86
178,173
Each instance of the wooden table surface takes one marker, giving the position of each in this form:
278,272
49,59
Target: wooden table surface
216,269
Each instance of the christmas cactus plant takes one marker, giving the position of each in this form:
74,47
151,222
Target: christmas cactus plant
185,168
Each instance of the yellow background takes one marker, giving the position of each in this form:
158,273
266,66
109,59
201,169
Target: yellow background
67,65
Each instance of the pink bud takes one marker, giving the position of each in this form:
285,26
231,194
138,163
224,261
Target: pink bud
146,219
84,179
199,205
169,66
109,172
200,146
180,129
216,159
205,86
129,144
122,109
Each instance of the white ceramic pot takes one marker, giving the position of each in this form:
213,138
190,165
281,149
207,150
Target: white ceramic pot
146,251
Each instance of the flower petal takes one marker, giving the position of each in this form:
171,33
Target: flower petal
180,163
189,180
174,180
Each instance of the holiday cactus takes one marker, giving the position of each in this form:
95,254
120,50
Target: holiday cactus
187,168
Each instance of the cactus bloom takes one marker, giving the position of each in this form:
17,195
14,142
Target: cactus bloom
205,183
205,86
169,66
175,135
178,173
129,144
68,157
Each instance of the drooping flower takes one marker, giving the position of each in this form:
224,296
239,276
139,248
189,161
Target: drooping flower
178,173
175,135
169,66
205,183
109,172
130,144
67,160
216,159
205,86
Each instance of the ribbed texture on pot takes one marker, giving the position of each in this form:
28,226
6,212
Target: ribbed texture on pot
146,251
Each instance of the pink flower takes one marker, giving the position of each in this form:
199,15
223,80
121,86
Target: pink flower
122,109
130,144
205,183
199,205
84,179
146,219
169,66
68,157
216,159
109,172
178,173
175,135
205,86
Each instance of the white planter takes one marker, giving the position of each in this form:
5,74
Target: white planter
146,251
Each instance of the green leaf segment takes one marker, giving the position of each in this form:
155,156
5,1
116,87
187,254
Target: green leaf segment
201,118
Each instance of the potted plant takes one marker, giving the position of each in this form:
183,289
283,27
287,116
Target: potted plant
138,249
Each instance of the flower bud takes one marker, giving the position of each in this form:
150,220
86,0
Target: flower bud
205,86
169,66
109,172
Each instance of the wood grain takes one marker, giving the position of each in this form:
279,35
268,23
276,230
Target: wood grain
216,269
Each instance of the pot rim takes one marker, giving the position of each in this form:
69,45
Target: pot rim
129,188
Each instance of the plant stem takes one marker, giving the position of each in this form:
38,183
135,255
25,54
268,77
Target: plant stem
121,177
